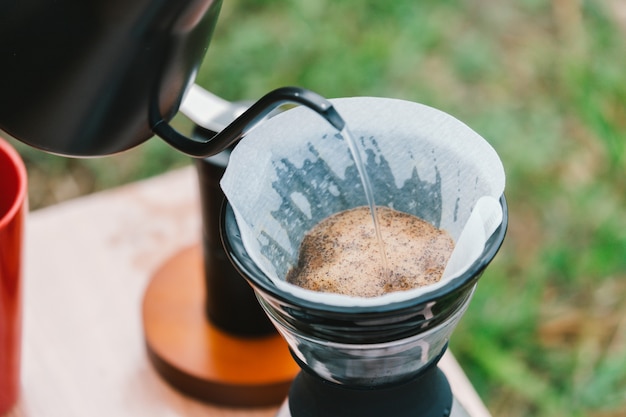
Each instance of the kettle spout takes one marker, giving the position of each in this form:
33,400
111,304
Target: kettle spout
200,148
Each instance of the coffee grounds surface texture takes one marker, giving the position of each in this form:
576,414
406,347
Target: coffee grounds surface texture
341,254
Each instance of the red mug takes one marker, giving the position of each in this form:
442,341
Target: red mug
13,208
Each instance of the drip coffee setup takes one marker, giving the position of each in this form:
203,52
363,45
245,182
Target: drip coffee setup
123,80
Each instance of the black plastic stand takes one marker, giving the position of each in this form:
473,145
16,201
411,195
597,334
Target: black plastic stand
427,395
205,332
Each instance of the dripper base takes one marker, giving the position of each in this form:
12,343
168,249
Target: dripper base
427,395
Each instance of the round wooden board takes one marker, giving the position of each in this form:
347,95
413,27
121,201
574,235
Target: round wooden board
199,359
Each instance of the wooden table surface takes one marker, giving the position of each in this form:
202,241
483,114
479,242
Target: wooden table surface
87,265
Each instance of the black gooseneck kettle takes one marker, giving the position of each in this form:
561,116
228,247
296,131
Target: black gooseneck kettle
90,78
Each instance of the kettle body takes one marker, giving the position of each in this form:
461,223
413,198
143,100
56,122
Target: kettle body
90,77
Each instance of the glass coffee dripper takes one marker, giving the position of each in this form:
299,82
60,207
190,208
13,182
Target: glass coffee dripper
365,359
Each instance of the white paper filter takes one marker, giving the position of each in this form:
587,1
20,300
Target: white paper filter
295,169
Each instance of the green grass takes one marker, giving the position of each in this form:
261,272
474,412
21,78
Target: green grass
545,83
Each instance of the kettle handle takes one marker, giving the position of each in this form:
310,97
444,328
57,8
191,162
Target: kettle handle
200,148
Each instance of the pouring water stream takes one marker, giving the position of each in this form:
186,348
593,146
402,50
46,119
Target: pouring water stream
369,192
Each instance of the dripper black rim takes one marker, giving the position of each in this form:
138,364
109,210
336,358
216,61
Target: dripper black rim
233,244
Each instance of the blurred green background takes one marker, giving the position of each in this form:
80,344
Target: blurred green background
544,81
